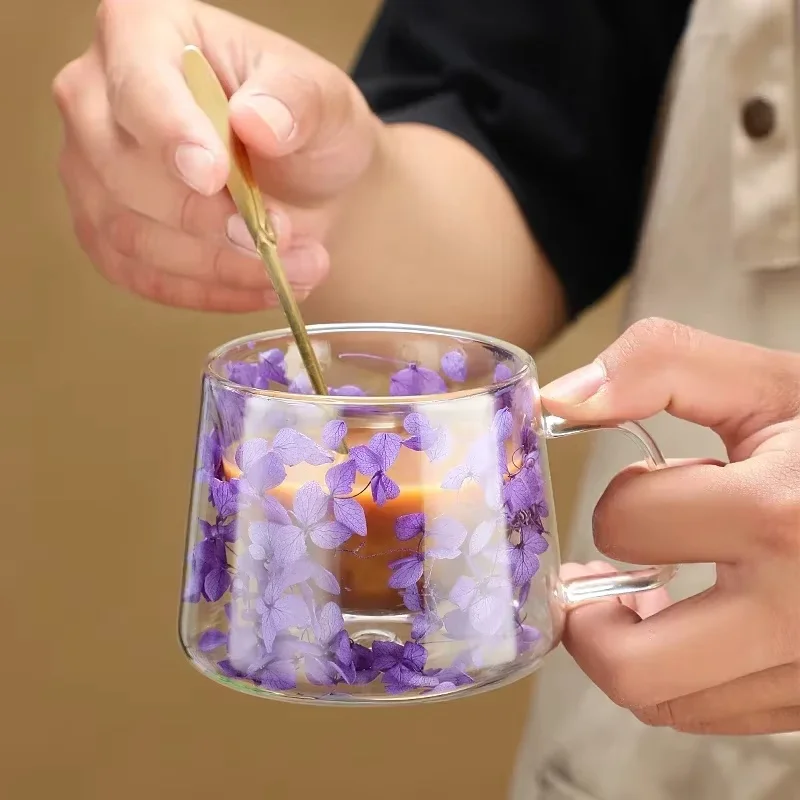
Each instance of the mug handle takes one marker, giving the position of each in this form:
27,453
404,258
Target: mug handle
597,587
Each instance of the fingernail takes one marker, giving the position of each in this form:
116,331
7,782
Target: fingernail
577,386
196,166
239,234
274,113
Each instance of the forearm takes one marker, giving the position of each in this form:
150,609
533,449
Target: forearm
432,235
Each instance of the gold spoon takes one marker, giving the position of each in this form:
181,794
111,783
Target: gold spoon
210,96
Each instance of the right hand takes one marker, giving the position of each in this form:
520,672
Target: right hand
144,170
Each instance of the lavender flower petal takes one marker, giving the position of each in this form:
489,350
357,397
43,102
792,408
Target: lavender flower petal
406,571
502,425
383,488
412,599
223,497
482,536
350,514
444,538
210,640
386,446
416,380
310,504
293,448
329,535
333,433
454,365
216,583
340,479
408,526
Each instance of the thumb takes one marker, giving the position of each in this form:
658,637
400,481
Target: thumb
656,365
289,103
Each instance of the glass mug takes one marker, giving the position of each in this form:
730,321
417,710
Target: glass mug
393,541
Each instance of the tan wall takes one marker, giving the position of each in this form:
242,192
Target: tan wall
98,702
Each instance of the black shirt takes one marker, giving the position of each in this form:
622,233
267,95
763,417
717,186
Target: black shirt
560,95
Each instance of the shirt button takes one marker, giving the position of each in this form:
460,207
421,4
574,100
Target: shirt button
758,118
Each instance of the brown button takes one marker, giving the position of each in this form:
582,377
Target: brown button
758,118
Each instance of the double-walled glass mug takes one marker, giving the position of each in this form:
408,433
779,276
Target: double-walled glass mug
393,541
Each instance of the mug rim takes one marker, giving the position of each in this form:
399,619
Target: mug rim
524,358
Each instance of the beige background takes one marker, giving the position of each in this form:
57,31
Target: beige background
96,455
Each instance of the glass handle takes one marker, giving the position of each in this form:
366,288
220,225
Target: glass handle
596,587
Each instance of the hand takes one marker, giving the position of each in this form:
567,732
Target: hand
144,170
726,661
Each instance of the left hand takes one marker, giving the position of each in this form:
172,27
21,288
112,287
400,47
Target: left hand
726,661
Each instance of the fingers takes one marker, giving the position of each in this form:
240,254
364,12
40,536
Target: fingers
131,176
704,641
759,694
308,128
645,604
660,365
141,47
692,512
781,720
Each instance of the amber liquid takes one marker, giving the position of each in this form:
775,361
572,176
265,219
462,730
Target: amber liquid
362,564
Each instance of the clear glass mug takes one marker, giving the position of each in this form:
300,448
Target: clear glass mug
393,541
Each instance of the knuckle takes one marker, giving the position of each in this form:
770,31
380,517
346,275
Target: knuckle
66,85
781,531
123,231
660,335
660,715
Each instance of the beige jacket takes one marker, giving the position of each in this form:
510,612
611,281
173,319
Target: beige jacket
720,251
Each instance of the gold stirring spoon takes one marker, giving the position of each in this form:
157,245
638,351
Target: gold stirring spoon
210,96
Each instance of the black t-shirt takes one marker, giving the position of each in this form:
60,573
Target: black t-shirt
560,95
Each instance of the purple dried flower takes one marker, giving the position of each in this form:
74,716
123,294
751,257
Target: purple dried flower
210,456
502,373
277,545
416,380
331,658
208,563
373,460
272,368
454,365
363,660
293,448
527,637
407,526
244,373
211,639
310,513
481,536
406,571
223,496
402,666
280,612
485,602
333,433
484,465
425,624
523,557
433,441
443,538
502,425
346,510
412,599
261,468
301,384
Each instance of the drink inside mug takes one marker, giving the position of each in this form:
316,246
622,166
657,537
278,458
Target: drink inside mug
392,541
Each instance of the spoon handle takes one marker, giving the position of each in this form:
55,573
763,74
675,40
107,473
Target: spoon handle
210,96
